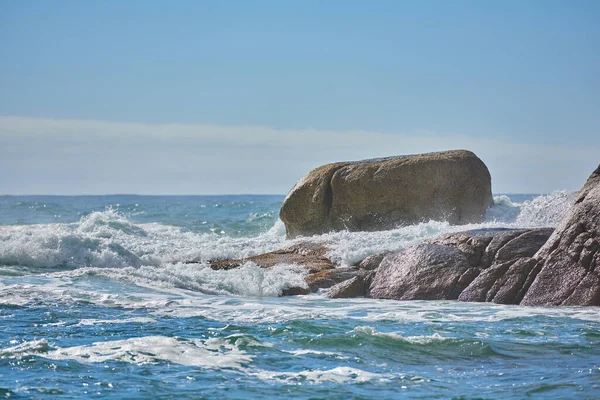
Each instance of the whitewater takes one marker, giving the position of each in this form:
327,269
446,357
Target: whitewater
113,297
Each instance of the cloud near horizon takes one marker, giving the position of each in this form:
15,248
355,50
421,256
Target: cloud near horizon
54,156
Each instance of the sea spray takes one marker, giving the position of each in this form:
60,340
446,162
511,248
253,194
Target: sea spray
177,256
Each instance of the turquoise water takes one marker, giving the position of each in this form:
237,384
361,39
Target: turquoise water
110,297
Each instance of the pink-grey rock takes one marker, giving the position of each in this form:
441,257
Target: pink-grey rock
457,266
353,287
372,262
503,283
568,262
524,245
423,272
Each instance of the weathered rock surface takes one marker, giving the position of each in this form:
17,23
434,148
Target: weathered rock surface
321,272
528,267
525,266
383,193
471,244
328,278
306,254
353,287
357,286
568,262
524,245
372,262
503,283
423,272
469,266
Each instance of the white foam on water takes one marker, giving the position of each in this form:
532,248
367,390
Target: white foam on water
336,375
30,347
425,339
185,303
546,210
504,209
348,248
142,350
541,211
246,280
302,352
136,320
109,240
212,354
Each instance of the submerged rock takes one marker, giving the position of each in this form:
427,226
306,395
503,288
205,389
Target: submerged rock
321,272
383,193
306,254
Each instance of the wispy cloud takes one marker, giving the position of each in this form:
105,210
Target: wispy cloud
80,156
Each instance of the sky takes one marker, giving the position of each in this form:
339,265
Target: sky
228,97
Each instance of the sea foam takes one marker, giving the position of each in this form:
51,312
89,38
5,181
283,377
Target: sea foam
210,354
108,244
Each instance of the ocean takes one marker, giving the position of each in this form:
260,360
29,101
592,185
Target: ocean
111,297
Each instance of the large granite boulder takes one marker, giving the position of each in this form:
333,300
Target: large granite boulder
383,193
568,263
468,266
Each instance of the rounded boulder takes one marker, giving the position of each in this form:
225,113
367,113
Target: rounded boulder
385,193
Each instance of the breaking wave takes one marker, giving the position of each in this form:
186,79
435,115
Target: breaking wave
108,244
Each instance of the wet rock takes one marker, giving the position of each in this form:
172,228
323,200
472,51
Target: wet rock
568,262
484,265
321,272
372,262
295,291
307,248
353,287
525,244
358,286
382,193
328,278
313,259
503,283
423,272
472,245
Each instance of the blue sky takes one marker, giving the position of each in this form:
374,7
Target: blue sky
245,97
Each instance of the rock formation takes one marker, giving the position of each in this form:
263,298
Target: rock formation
449,267
568,263
527,267
383,193
524,266
320,271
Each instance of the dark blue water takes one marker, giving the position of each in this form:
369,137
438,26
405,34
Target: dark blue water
110,297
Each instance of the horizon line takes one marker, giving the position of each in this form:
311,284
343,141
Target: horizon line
229,194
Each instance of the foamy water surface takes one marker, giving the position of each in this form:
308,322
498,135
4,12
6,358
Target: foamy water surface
111,296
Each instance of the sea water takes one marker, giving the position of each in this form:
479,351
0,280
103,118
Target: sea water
111,297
